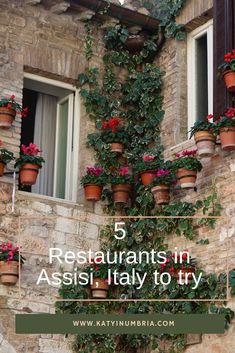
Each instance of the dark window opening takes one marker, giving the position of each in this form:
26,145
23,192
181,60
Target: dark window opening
201,78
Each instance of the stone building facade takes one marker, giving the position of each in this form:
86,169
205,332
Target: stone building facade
48,41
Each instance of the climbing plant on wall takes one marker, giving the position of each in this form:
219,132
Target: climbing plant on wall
133,94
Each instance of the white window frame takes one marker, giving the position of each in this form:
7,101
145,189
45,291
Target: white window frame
207,28
72,177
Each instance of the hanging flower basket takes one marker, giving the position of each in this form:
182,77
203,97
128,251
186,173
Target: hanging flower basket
113,133
29,164
229,79
99,289
121,193
204,136
10,259
7,117
187,178
8,109
205,141
186,166
147,177
93,182
225,128
146,167
9,272
93,192
161,194
117,147
121,185
227,138
28,173
5,157
227,70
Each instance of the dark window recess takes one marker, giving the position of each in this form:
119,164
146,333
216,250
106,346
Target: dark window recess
202,78
27,130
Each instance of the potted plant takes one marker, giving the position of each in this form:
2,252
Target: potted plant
10,259
29,164
100,286
178,265
134,43
203,132
225,128
146,168
186,166
93,182
8,110
161,190
227,69
121,185
5,157
114,133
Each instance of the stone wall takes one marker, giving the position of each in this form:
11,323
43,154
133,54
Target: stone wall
34,39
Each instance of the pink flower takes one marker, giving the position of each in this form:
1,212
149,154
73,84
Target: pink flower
12,97
148,158
162,172
96,171
186,153
31,150
123,171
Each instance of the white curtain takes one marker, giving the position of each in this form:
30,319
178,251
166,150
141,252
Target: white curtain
44,138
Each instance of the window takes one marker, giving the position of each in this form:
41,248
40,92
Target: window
53,124
200,73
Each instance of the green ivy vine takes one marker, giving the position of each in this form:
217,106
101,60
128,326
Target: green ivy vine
136,97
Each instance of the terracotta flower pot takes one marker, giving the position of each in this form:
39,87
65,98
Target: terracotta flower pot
205,141
6,117
121,193
229,79
9,272
117,147
28,173
2,167
147,177
99,289
187,178
93,192
227,138
134,44
161,194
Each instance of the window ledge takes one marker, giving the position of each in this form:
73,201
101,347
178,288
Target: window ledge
187,144
47,199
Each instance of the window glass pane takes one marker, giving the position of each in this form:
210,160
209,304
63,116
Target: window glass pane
201,78
62,149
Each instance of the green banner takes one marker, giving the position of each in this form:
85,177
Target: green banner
119,324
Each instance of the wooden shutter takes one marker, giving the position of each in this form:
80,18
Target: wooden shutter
224,41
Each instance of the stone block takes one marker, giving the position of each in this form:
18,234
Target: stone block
67,225
89,231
